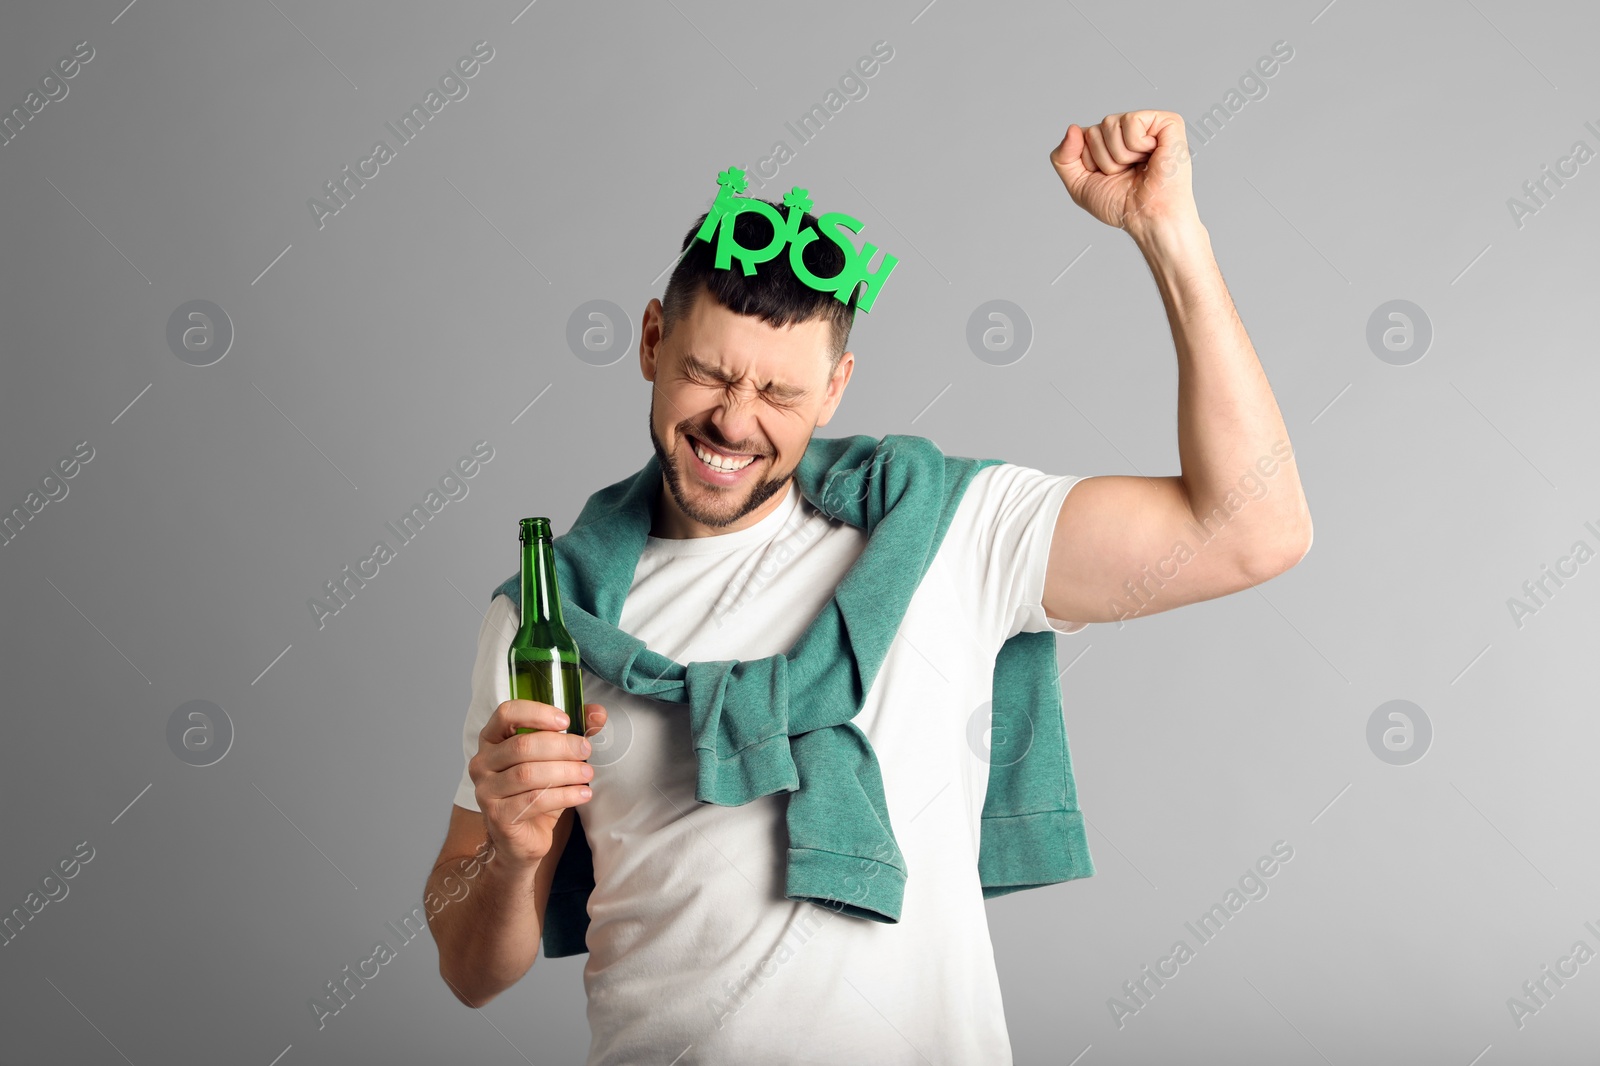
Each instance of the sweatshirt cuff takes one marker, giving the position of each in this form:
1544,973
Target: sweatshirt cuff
849,884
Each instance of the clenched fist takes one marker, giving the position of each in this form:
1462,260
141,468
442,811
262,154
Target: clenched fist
1131,170
524,782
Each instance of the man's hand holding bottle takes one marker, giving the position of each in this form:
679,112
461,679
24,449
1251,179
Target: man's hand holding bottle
523,782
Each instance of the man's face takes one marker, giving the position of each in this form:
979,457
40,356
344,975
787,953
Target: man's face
749,393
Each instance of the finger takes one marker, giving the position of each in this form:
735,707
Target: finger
1102,158
594,717
1118,147
1067,157
546,801
514,714
535,777
1086,157
1135,131
1091,165
1164,127
1170,158
545,745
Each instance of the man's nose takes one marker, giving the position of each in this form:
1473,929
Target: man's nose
735,417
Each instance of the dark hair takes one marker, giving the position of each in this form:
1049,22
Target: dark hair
773,293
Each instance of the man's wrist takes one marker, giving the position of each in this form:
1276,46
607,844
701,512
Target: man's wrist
1171,240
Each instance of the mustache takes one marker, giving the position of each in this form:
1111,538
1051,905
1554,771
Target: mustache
715,442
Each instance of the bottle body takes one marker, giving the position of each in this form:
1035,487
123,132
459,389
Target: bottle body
543,659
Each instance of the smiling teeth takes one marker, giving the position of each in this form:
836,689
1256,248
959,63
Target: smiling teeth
717,462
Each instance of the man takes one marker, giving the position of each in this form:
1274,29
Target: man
694,949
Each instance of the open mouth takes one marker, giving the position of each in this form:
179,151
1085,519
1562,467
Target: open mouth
716,466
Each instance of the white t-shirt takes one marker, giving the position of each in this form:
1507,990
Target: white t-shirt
693,948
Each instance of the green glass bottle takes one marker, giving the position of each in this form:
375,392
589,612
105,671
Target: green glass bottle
543,657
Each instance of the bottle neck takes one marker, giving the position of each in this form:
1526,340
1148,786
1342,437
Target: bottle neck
539,600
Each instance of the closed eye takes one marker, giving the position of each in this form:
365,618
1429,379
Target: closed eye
772,399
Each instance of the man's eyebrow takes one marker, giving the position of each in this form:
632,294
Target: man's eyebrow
774,388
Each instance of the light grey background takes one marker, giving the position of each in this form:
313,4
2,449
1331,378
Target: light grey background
433,309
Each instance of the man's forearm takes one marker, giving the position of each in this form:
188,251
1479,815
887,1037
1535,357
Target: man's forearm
1228,419
489,937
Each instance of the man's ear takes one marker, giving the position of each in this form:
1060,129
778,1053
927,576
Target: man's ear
836,386
649,338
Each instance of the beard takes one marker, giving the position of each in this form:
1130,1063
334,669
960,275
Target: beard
707,505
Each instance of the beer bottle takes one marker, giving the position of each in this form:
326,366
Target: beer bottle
543,657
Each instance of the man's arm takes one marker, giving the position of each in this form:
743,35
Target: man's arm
1237,515
495,869
493,914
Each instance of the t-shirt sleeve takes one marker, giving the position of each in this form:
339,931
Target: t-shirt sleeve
1009,512
491,685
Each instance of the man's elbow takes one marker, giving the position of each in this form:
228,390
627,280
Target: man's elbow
1301,544
1282,554
470,997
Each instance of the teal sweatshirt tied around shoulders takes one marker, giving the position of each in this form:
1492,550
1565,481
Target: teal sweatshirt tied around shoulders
783,723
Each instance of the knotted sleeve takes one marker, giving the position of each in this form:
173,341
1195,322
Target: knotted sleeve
744,755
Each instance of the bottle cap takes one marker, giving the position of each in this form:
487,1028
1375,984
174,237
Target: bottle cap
535,529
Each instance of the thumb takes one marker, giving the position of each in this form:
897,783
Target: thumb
1067,157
